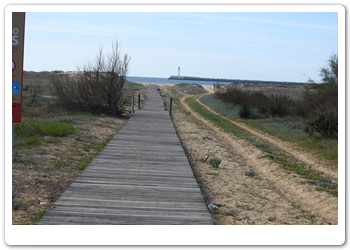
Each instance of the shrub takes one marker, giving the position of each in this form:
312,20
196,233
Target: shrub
29,127
322,103
97,88
261,102
329,73
214,162
272,105
58,129
231,94
279,105
300,109
250,173
325,124
245,110
31,140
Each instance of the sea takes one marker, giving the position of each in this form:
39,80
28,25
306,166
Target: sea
166,80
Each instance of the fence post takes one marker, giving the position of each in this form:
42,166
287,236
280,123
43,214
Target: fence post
132,112
171,104
139,101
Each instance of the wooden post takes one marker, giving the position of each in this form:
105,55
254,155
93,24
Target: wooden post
139,101
171,104
132,112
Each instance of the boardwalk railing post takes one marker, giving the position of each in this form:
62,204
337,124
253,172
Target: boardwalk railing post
139,101
132,112
171,104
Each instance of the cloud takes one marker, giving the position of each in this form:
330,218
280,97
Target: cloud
304,25
57,26
231,20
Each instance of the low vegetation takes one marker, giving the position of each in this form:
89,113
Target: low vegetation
214,162
318,107
311,119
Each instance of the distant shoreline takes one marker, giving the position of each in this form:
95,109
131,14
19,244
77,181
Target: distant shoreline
193,78
180,79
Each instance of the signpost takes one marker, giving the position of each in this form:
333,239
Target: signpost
18,20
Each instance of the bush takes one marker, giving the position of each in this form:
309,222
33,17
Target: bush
261,102
325,124
97,88
300,109
245,110
231,94
279,105
31,140
214,162
271,105
29,127
250,173
322,103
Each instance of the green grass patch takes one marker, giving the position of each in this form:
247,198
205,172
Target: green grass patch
29,127
328,148
62,164
29,130
58,129
27,141
227,110
39,215
215,174
314,177
223,123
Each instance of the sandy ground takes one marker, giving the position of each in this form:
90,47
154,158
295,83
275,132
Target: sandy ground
273,196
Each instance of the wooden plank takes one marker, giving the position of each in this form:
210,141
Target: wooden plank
142,177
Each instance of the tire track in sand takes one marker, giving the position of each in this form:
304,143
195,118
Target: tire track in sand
285,146
323,204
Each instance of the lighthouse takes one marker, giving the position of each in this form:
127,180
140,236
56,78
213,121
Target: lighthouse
178,69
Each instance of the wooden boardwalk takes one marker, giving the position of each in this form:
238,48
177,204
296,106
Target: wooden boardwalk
142,177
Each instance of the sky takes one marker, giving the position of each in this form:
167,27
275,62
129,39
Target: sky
276,46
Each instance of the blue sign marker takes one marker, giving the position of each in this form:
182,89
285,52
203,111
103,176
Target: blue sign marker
15,88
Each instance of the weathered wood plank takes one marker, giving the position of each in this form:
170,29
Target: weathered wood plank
142,177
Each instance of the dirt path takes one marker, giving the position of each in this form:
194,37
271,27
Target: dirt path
273,191
291,148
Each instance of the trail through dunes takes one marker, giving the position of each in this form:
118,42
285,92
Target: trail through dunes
270,194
